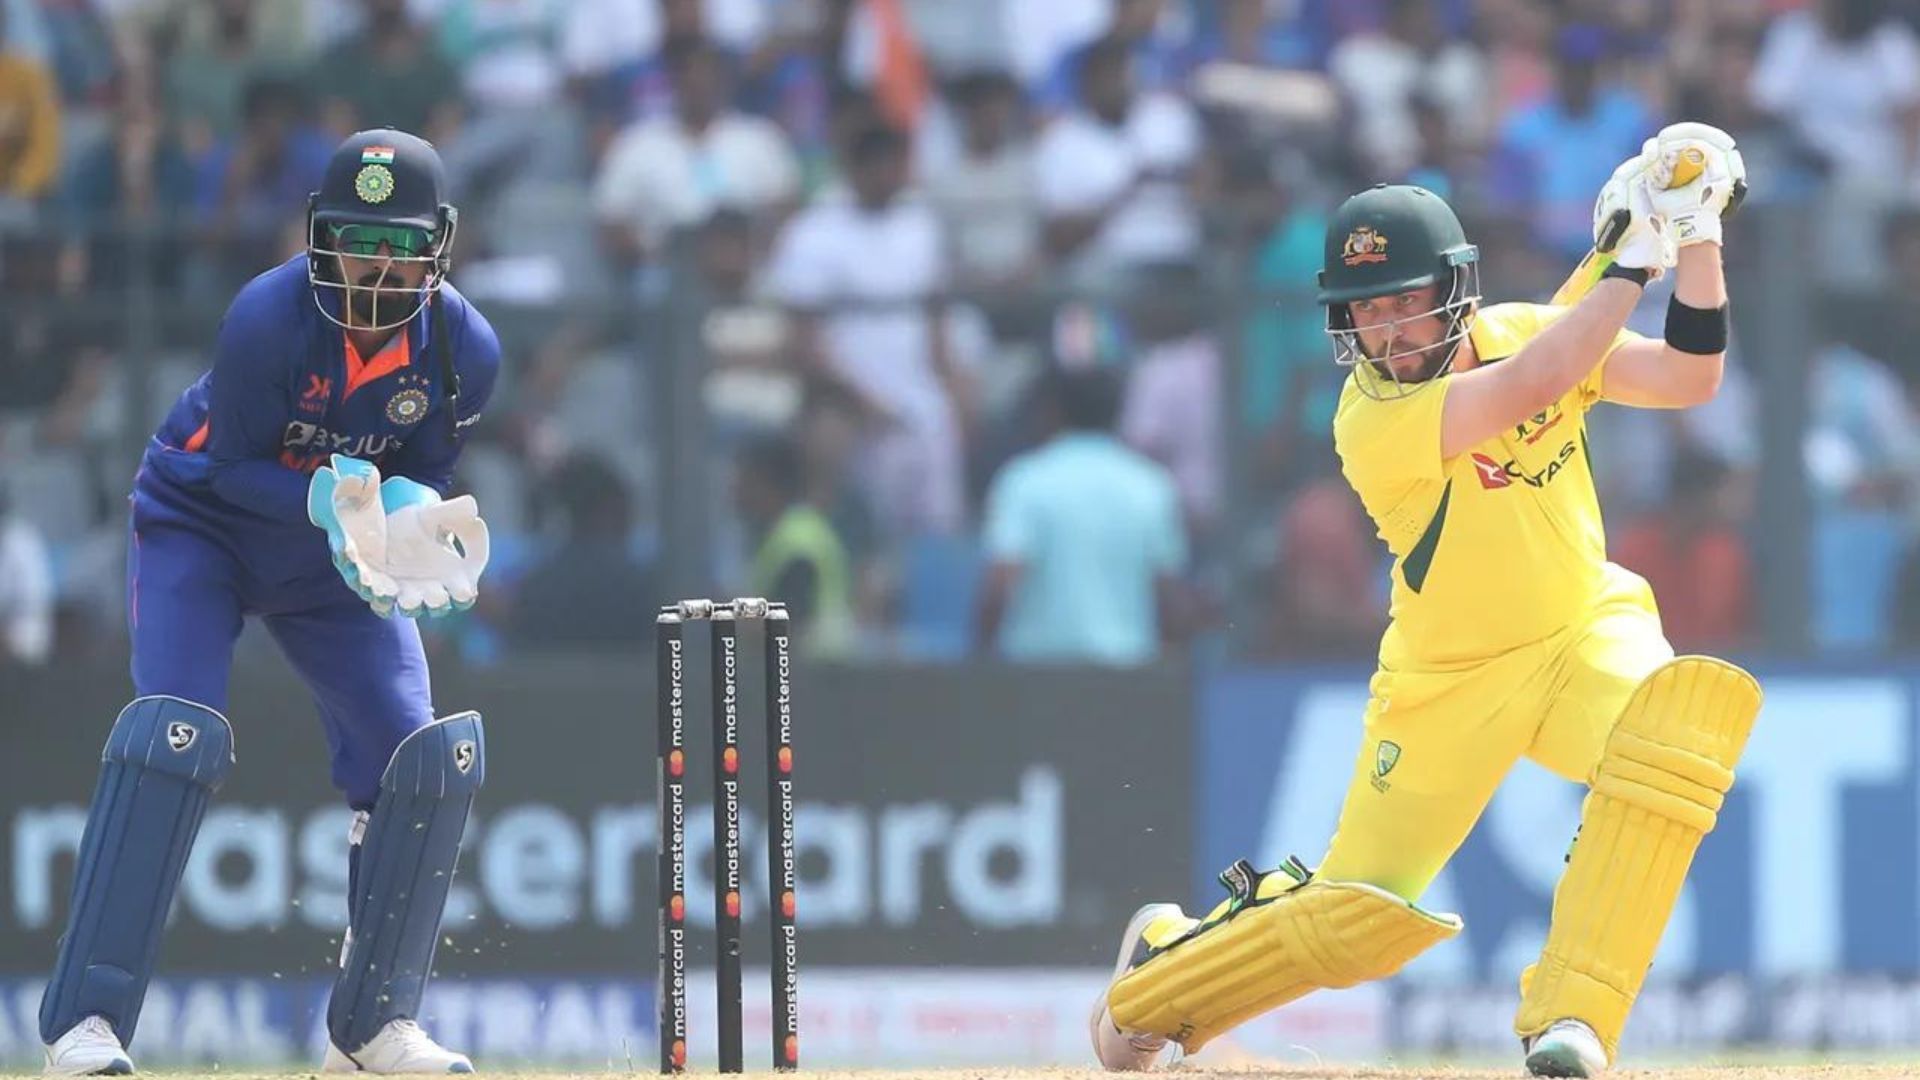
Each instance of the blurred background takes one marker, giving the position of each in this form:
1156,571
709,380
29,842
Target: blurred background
783,283
825,300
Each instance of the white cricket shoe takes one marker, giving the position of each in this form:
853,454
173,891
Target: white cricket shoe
89,1048
1566,1048
400,1047
1120,1051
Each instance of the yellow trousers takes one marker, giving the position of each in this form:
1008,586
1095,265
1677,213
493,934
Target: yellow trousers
1439,742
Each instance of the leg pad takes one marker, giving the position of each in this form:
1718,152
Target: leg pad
1666,770
164,758
1289,939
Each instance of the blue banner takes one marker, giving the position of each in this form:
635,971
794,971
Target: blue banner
1812,870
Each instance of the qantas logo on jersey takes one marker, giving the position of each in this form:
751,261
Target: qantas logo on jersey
301,436
1495,475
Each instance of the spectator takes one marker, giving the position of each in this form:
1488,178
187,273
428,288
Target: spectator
750,386
864,272
139,177
1381,75
1084,541
1328,569
220,47
673,172
26,591
1147,32
1843,76
254,184
1253,32
1174,400
1554,156
29,130
1692,553
798,557
585,593
985,197
516,130
389,74
1112,175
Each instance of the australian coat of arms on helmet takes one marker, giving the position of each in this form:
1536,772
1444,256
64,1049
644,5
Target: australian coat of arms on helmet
1364,245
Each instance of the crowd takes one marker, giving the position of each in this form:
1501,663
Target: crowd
935,267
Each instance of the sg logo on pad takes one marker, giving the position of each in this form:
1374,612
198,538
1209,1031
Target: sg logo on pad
180,735
463,752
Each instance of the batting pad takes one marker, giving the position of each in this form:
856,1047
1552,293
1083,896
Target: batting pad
164,758
1665,771
405,869
1288,939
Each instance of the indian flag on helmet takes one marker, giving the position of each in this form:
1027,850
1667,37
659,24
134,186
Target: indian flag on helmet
377,155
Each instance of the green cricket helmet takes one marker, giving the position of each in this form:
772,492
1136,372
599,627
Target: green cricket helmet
1387,240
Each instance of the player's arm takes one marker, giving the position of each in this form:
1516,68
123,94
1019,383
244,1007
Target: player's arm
1656,374
1485,401
433,449
249,408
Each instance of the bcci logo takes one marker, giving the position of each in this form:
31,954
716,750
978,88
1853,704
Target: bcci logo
1384,759
463,754
180,735
373,183
407,407
1364,245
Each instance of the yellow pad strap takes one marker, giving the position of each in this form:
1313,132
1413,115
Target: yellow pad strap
1321,935
1658,790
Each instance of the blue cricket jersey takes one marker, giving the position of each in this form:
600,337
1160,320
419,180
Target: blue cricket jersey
287,390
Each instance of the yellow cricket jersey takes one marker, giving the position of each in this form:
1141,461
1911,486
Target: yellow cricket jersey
1495,548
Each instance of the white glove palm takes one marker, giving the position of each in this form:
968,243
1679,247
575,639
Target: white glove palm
1625,221
1695,208
424,558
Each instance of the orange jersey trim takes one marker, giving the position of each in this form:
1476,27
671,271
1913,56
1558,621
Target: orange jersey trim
198,439
396,354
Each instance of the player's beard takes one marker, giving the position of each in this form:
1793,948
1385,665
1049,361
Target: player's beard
1434,359
378,299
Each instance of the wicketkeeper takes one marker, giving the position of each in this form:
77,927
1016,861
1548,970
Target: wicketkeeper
1463,431
261,495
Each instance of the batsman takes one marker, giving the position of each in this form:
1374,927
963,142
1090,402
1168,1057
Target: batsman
1462,429
261,495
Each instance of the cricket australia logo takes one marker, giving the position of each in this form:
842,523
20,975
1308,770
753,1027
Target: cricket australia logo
1364,245
180,735
463,754
1384,759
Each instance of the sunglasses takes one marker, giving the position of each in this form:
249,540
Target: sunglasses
365,240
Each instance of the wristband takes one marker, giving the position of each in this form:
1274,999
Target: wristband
1700,331
1637,274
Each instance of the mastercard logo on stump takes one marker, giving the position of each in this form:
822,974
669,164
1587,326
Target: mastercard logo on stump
733,905
792,1049
786,759
679,1053
677,907
731,760
676,763
786,903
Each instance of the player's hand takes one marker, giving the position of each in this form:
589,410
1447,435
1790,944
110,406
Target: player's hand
1698,179
436,552
343,498
1625,221
395,543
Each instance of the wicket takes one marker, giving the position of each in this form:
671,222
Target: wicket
670,664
